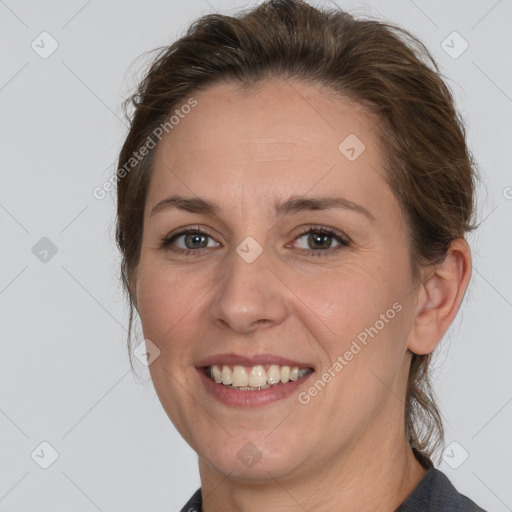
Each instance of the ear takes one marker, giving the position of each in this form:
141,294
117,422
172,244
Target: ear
439,297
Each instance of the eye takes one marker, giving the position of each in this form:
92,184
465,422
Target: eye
319,240
314,240
189,241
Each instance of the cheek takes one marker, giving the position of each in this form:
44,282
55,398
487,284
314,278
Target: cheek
165,300
358,315
344,301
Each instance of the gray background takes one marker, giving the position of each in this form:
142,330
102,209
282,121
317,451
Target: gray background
64,369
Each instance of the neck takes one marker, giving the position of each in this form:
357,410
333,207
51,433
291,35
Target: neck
377,477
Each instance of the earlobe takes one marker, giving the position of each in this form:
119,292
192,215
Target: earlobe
439,298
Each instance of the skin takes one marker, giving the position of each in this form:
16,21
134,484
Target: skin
245,150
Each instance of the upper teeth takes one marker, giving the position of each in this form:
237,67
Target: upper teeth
255,376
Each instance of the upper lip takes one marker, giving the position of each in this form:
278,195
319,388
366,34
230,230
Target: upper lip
254,360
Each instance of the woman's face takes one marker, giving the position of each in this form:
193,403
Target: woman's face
299,260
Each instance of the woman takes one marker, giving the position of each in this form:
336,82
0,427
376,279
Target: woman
293,198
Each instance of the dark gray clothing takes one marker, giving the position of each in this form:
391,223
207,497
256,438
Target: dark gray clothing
434,493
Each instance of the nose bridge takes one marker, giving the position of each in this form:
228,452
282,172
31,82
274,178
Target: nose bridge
250,294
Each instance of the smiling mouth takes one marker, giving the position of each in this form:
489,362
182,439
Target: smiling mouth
254,378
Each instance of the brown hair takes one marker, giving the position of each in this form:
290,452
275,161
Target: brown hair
378,65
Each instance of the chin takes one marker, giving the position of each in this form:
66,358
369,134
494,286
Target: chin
259,460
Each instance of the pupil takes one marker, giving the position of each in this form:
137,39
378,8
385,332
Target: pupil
317,239
194,239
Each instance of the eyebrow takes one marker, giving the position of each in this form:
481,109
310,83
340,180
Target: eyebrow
294,204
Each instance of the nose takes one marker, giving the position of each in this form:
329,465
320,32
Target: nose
250,296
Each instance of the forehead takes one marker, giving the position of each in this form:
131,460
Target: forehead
279,139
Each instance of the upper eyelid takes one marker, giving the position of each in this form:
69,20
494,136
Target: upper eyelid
186,231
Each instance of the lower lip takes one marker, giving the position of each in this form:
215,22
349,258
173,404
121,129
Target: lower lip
230,396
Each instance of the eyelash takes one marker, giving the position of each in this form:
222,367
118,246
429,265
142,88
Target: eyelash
343,240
